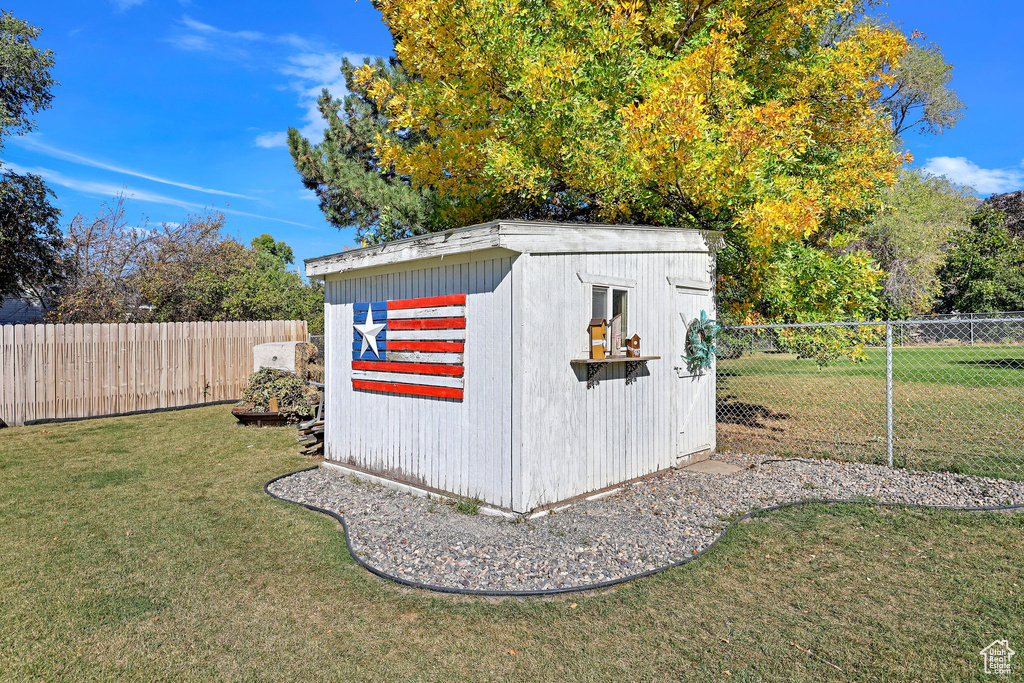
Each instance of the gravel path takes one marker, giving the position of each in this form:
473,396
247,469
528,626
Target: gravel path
644,526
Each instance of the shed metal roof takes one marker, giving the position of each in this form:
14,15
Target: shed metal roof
524,237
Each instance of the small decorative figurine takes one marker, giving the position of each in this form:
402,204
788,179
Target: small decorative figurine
633,346
598,338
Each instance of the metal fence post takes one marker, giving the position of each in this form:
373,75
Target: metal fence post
972,329
888,391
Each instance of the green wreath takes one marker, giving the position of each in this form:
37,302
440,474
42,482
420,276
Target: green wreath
700,343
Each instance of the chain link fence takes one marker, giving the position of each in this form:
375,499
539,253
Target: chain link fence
938,393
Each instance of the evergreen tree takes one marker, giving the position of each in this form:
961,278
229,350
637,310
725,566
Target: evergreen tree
345,171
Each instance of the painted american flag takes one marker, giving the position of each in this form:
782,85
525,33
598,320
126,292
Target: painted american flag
410,346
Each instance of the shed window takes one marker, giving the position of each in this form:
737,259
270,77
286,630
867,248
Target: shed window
600,305
614,309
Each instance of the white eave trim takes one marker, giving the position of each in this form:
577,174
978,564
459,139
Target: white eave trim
522,237
571,238
591,279
687,283
435,245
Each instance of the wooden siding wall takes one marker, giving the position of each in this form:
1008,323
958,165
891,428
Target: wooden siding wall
88,370
575,440
461,447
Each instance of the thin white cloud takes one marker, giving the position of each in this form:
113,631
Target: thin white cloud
191,23
309,66
30,142
198,25
200,31
984,180
125,5
270,140
191,43
102,189
295,41
99,188
311,72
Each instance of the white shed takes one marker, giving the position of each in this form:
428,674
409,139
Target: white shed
457,362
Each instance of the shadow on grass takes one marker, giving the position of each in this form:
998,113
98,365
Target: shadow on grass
1003,363
730,411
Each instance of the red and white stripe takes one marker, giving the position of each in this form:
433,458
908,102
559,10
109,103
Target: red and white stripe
426,340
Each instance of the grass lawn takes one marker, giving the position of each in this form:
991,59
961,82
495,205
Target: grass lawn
955,407
144,548
971,366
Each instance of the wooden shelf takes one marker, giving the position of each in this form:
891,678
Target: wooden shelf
614,359
594,366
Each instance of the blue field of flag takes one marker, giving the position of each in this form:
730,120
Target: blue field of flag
376,314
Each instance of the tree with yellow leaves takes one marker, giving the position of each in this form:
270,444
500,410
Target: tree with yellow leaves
747,116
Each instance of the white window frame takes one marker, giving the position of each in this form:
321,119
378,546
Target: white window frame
588,281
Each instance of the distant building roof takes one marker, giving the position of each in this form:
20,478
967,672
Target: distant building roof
23,310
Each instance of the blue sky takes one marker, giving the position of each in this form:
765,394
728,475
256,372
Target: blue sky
183,104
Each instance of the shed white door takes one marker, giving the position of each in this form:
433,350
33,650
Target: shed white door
695,394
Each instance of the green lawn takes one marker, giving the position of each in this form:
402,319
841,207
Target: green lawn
144,548
970,366
954,407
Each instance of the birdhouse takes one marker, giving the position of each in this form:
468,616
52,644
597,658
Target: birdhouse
633,346
598,338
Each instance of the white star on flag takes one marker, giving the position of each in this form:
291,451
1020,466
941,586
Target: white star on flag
369,332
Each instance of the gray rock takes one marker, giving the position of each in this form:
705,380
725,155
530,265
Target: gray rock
645,526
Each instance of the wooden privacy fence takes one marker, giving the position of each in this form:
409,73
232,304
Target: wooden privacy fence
87,370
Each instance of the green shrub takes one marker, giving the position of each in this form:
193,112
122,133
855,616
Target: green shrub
295,399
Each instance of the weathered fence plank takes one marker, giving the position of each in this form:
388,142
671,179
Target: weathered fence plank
88,370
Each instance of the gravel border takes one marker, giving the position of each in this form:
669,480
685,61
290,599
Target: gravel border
645,527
